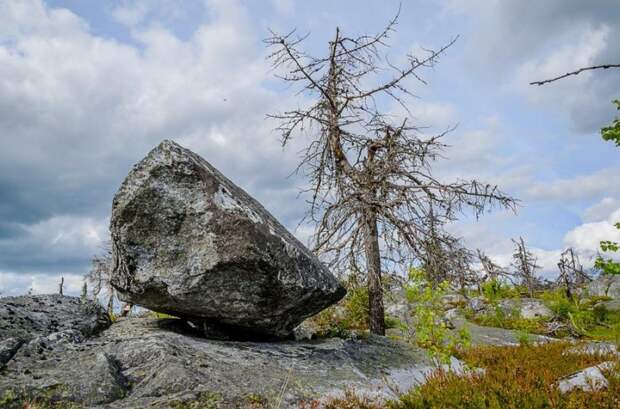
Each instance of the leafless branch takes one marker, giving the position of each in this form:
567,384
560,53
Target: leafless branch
576,72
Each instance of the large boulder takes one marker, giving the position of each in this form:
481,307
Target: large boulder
188,242
605,285
527,308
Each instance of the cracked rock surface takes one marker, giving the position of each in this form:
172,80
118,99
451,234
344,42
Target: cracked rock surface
141,362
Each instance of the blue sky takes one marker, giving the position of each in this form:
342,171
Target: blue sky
88,88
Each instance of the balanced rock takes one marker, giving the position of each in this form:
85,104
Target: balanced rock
188,242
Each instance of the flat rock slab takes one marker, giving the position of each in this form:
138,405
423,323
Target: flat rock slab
481,335
189,242
145,362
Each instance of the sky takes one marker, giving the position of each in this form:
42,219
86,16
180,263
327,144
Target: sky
88,88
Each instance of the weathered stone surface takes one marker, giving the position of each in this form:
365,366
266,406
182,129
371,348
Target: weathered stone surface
588,380
189,242
477,304
27,317
606,285
453,300
150,363
528,308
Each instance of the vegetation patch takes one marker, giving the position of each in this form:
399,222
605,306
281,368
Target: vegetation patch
522,377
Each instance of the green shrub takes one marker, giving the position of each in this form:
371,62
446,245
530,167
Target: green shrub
429,330
494,290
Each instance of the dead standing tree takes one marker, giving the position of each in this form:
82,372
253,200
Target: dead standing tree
490,270
571,275
99,277
524,263
370,177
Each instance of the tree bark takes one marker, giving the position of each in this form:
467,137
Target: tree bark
373,265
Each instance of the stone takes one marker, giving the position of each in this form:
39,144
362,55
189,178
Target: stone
610,305
588,380
605,285
8,348
27,317
527,308
477,304
187,241
450,301
144,362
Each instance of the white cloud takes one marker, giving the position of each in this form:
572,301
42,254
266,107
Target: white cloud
513,43
595,185
587,237
13,284
601,210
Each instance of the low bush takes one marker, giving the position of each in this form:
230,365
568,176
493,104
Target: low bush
429,330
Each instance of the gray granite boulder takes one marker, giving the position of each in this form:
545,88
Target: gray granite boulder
605,285
188,242
527,308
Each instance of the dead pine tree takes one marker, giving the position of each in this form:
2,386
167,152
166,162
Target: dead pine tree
99,277
524,264
491,270
572,275
371,185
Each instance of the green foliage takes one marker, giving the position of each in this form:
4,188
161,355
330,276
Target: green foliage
612,132
499,318
350,314
607,265
162,315
523,338
429,329
494,290
559,303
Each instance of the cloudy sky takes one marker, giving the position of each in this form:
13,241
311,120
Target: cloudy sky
88,88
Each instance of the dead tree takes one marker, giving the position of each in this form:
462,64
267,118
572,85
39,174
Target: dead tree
490,270
524,264
371,185
99,277
572,275
61,285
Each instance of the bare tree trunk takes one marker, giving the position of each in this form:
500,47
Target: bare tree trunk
373,265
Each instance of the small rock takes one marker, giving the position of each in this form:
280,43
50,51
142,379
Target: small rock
477,304
8,348
588,380
450,301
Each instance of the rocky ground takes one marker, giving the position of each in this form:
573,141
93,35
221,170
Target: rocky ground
142,362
